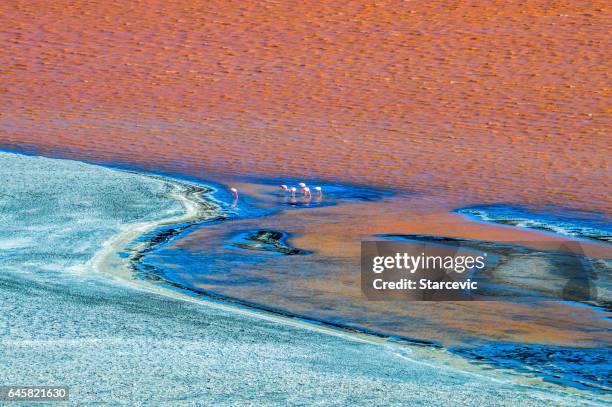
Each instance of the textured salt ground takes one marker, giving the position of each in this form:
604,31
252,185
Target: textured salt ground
114,345
64,323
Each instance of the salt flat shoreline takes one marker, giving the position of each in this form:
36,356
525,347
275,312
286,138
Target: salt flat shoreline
108,260
109,325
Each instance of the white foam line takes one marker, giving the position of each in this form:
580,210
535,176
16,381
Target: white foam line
106,259
448,368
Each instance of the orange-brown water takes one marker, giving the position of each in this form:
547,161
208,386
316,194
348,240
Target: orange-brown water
473,101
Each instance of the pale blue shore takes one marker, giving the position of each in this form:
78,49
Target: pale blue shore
65,322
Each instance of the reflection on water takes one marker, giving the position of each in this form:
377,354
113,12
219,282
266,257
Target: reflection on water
253,259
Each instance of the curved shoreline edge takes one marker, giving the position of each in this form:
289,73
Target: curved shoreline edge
108,260
159,233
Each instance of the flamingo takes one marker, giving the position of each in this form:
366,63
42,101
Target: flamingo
306,192
234,192
319,191
302,187
292,190
284,188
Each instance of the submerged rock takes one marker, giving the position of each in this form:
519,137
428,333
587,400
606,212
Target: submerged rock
267,241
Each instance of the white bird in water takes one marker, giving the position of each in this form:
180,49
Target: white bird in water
234,192
284,188
319,191
302,188
306,192
292,190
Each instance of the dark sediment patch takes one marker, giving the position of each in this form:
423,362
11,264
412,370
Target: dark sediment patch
273,241
585,368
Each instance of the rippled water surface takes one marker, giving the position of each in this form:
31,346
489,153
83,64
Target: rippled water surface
492,102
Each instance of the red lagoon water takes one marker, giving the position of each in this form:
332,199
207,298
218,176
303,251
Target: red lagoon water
470,101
